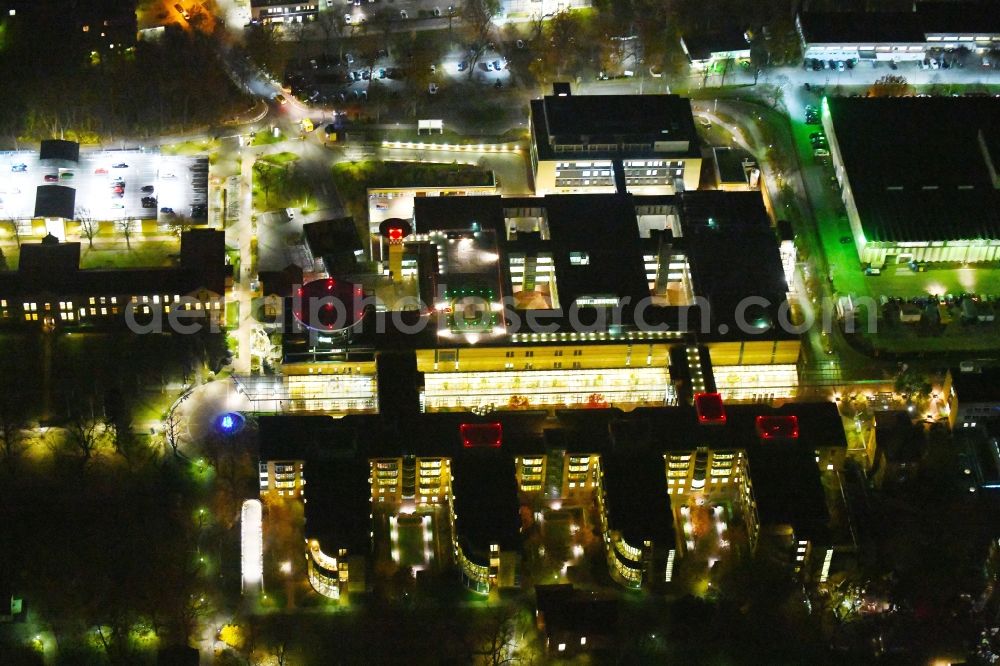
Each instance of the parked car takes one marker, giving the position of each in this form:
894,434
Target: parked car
50,178
146,188
100,171
873,271
403,14
821,152
280,99
19,168
149,202
66,175
167,210
120,165
432,88
118,205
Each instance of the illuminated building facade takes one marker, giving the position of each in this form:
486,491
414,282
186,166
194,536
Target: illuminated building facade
644,144
453,491
50,289
594,292
918,176
973,397
283,11
929,29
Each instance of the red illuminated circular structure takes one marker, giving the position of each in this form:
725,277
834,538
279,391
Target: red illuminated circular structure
394,230
329,304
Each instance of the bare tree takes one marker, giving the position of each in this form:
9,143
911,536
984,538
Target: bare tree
15,229
12,424
83,435
496,636
171,431
331,23
477,17
88,225
126,226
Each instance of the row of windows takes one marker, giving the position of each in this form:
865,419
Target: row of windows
531,353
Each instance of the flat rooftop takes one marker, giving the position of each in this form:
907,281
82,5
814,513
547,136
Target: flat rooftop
614,119
917,166
602,246
900,27
336,453
981,386
701,44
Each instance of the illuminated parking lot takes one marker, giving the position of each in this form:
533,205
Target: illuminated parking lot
175,183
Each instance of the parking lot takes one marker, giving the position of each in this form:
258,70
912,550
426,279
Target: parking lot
110,185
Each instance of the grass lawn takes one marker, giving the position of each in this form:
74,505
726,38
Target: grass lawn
144,254
286,187
232,314
189,147
280,159
266,138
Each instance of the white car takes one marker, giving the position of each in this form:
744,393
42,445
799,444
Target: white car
347,19
167,175
118,205
432,88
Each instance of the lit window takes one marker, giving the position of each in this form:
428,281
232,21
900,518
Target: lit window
93,311
562,647
104,311
93,301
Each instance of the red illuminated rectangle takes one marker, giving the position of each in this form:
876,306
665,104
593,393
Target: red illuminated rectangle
778,427
481,435
710,408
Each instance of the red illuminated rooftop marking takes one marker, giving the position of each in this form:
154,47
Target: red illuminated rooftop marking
481,435
710,408
778,427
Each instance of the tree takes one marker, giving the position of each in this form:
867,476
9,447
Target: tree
15,229
496,636
88,225
383,19
911,381
890,85
13,422
171,431
266,176
83,434
126,227
477,17
332,24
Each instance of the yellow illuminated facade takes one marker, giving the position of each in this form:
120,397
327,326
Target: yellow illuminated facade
706,475
333,388
282,478
576,373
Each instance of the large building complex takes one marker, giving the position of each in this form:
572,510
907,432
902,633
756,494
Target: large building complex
900,36
918,176
579,300
463,492
644,144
